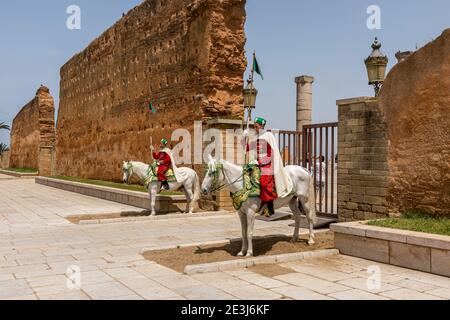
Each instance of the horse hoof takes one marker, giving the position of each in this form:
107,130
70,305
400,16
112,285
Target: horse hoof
311,242
249,255
240,254
293,240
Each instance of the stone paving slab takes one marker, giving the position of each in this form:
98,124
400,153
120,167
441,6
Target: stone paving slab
37,245
27,200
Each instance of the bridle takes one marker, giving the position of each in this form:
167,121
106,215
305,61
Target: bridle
127,171
214,173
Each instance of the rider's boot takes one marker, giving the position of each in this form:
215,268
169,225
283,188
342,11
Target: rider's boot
270,208
165,185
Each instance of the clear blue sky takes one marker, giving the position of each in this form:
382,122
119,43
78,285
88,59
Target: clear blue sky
328,39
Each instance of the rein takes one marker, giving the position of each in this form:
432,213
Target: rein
143,179
215,175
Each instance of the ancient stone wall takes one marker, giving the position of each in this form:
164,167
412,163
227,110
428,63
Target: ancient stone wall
394,151
33,128
170,52
416,102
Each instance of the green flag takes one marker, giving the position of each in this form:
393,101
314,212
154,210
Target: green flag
151,108
256,67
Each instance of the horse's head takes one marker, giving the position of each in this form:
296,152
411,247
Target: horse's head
213,178
127,171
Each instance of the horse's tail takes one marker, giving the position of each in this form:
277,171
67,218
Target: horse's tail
312,200
196,187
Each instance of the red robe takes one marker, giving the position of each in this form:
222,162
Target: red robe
164,162
264,158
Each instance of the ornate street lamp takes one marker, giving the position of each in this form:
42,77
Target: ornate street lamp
250,94
376,65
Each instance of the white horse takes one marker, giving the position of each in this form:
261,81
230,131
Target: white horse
224,174
190,184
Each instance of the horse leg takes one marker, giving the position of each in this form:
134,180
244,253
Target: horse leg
251,216
308,211
153,191
190,200
294,206
243,219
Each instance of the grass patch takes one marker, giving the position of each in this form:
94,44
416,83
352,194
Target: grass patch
416,221
122,186
22,170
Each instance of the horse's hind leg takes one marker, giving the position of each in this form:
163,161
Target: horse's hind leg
190,200
294,206
243,219
307,210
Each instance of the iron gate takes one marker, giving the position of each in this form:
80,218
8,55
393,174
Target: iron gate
315,149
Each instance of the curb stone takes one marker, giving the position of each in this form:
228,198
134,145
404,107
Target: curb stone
250,262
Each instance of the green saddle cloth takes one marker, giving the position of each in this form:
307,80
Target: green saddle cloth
251,186
152,175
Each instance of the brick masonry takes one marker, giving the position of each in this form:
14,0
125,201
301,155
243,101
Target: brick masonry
363,171
33,134
227,135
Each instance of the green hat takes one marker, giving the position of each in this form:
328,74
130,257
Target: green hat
164,142
261,121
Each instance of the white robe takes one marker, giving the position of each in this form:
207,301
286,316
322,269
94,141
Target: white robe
180,175
283,183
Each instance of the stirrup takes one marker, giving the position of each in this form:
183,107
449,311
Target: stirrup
165,186
267,212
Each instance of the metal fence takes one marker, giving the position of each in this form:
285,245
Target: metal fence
314,149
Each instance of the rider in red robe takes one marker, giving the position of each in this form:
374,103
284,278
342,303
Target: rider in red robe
265,163
264,158
164,164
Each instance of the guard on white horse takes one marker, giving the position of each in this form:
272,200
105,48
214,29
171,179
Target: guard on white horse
183,178
274,181
296,189
164,162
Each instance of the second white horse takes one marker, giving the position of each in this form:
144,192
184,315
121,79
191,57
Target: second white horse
190,183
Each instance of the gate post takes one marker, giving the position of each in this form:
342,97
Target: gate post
46,161
230,149
363,171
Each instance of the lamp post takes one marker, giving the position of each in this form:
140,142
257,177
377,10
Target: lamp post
376,65
250,93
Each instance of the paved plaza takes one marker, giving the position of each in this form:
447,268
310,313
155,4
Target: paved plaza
38,245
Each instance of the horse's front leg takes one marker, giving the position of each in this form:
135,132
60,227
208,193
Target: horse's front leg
153,192
243,219
251,216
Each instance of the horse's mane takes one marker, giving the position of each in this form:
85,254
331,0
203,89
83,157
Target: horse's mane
139,163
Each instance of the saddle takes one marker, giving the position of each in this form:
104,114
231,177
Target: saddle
152,175
251,186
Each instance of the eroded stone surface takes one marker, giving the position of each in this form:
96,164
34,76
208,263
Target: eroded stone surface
33,128
187,59
416,102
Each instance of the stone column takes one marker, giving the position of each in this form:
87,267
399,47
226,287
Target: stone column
363,171
304,101
229,133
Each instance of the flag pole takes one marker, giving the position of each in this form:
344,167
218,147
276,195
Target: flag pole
151,142
249,111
